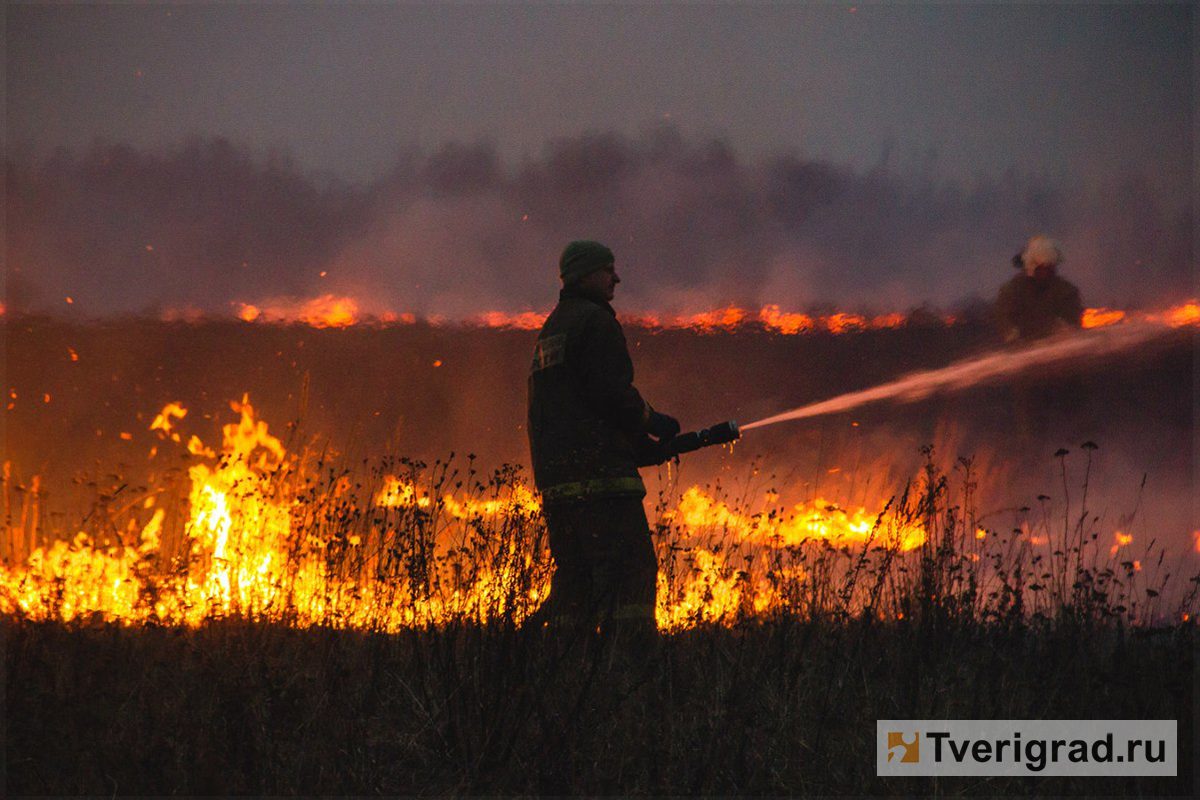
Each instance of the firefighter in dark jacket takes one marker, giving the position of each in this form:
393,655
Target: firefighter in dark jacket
1038,303
589,431
1035,304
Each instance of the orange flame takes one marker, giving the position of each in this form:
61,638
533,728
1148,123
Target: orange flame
815,520
1185,314
325,311
787,323
1101,317
330,311
525,321
842,322
252,546
1120,540
162,422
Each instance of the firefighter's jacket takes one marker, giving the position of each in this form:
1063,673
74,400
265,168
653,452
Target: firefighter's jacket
587,422
1036,307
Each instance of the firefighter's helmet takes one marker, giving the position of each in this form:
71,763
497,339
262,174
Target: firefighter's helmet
1041,251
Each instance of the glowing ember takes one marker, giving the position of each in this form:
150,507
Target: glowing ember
392,318
896,320
162,422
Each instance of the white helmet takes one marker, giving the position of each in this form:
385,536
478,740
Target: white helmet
1041,251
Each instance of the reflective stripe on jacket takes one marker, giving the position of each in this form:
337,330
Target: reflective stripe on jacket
596,487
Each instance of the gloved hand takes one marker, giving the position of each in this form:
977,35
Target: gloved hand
651,453
662,426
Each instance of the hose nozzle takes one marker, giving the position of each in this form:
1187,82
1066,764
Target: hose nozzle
721,433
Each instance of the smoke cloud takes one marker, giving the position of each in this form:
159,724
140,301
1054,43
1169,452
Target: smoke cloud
456,232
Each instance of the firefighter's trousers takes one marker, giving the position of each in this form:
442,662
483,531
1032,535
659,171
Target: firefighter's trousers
605,568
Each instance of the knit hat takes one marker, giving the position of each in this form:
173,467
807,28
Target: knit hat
581,257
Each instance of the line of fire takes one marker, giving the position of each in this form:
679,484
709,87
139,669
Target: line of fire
186,469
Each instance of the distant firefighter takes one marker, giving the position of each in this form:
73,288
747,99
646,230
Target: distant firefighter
589,431
1038,303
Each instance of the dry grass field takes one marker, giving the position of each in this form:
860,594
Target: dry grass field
307,594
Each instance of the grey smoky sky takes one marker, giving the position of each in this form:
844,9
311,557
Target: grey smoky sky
841,153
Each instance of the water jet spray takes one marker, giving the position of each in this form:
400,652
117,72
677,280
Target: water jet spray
983,369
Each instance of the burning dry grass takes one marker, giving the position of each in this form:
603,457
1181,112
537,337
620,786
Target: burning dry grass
298,539
337,311
293,624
